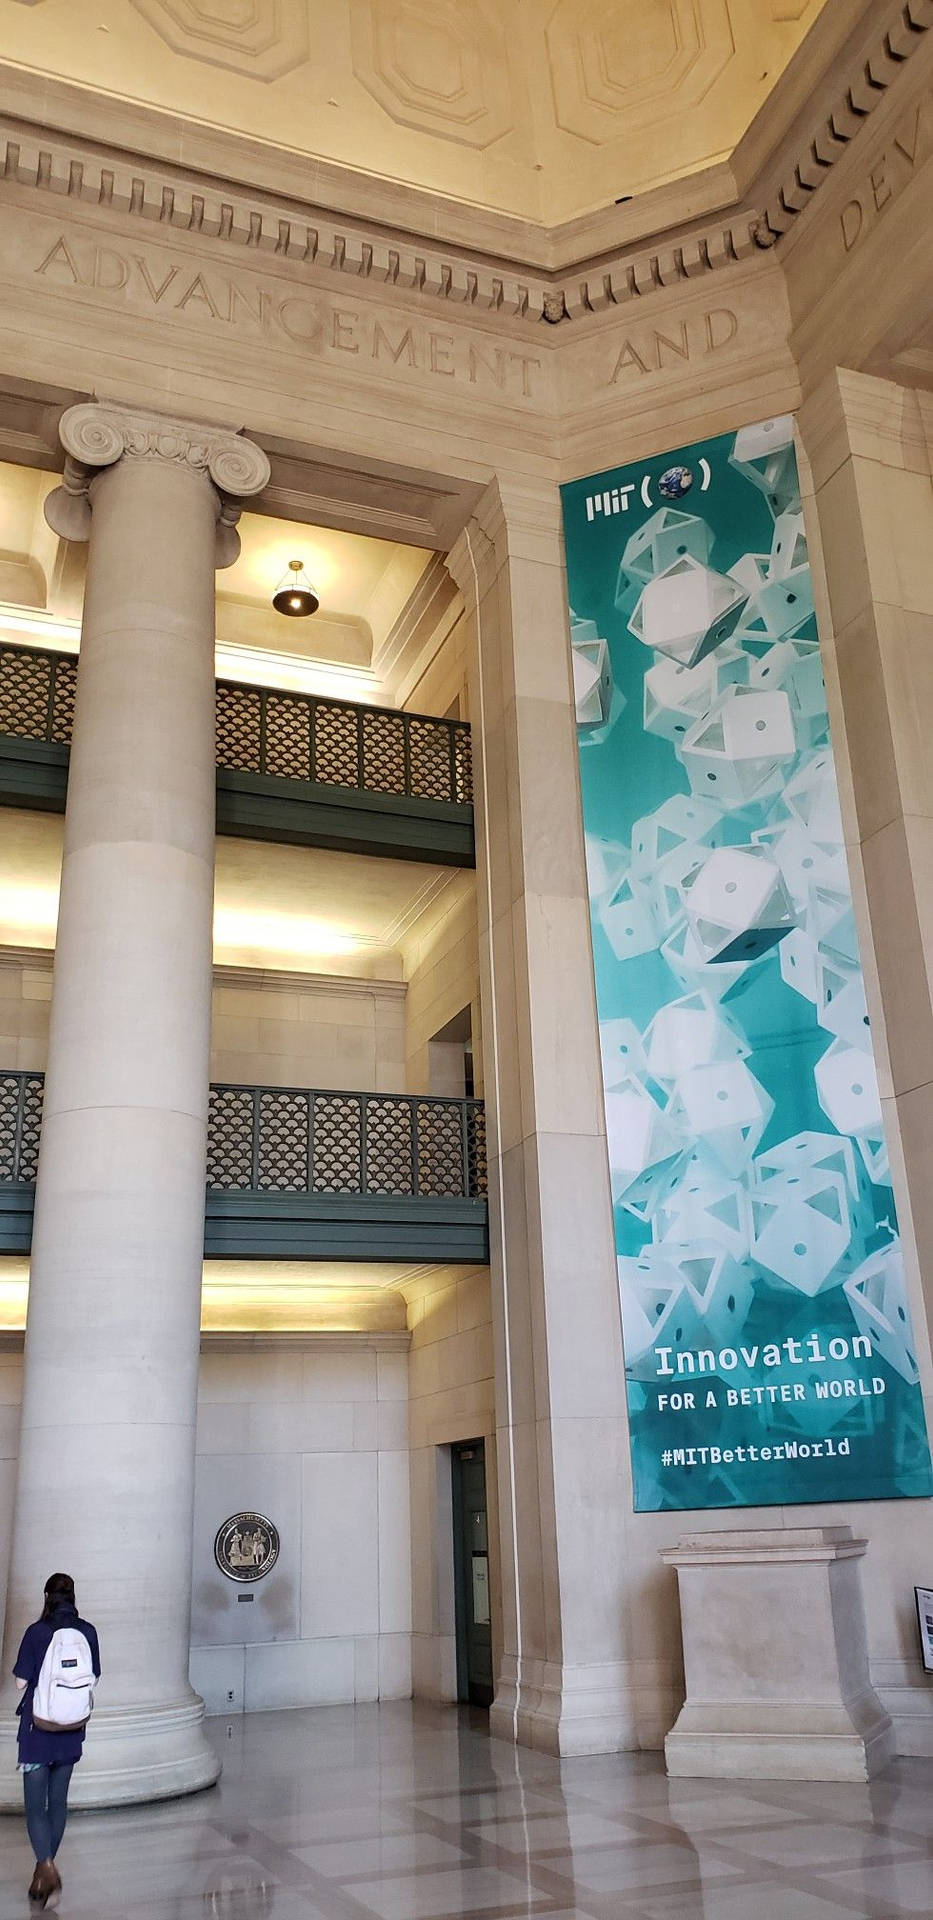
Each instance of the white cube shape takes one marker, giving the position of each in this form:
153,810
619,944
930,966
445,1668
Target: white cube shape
686,612
722,1289
684,956
725,1107
761,441
622,1053
664,538
658,1309
676,696
847,1090
788,545
811,1152
803,862
681,820
778,607
812,796
877,1295
737,904
739,752
627,920
765,454
690,1032
643,1147
606,863
841,1006
663,884
802,1228
702,1205
592,677
799,960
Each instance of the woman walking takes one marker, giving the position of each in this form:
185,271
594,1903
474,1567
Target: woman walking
56,1669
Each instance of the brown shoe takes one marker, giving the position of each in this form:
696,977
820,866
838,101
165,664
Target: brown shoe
45,1882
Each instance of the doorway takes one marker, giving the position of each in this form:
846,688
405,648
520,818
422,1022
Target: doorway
471,1573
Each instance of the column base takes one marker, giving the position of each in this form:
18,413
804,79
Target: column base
130,1755
565,1710
811,1743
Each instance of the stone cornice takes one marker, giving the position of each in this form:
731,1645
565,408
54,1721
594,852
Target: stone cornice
897,33
494,264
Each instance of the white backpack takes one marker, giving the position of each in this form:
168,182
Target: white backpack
64,1692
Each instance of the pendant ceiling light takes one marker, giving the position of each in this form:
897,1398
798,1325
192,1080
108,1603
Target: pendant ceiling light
294,595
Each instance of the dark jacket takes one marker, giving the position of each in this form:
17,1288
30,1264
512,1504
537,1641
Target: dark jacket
37,1747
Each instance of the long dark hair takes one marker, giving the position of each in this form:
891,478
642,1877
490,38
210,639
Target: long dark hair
59,1592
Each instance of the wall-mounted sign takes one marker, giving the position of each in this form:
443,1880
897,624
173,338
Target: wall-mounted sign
246,1546
769,1351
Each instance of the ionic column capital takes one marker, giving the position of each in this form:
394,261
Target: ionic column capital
99,434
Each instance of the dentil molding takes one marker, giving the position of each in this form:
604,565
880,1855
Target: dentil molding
163,196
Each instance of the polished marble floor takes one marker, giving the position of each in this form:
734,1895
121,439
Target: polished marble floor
405,1812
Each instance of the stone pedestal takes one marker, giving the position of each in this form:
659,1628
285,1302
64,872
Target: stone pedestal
776,1658
105,1478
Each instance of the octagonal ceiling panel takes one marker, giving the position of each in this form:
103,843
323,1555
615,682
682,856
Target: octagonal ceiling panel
261,38
541,109
609,70
435,64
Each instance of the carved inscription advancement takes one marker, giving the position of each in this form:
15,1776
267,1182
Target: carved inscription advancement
653,350
251,308
910,144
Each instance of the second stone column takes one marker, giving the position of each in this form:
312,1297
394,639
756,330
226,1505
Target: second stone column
106,1467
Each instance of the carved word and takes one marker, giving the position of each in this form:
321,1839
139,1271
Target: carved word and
654,350
311,322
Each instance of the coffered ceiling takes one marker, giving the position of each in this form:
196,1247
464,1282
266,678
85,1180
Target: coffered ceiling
542,109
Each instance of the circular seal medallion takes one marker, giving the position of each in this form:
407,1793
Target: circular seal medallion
247,1546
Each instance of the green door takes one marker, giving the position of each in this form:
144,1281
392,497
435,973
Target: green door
471,1571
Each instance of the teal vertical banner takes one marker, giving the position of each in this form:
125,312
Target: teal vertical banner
769,1351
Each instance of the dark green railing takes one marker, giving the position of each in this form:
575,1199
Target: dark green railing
293,1140
268,732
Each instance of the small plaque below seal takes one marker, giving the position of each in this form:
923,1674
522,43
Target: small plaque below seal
246,1547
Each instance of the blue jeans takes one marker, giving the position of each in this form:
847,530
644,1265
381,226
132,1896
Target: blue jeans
46,1795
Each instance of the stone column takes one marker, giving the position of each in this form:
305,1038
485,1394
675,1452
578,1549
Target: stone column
106,1465
566,1677
869,506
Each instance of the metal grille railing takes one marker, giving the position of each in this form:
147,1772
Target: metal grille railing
20,1126
295,1140
37,693
336,743
298,1140
294,736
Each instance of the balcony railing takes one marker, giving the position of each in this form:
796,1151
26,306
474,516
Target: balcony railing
290,766
305,1173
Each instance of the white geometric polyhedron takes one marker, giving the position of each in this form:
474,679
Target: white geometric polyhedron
687,611
737,904
676,696
683,820
777,607
877,1295
665,537
606,862
765,454
623,1056
681,1300
788,545
643,1147
812,796
841,1007
804,863
847,1090
725,1107
690,1032
684,956
738,752
799,962
796,666
811,1153
626,918
802,1228
592,674
703,1205
662,883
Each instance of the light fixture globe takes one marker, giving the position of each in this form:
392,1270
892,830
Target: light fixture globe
294,596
